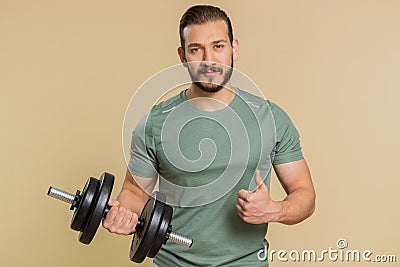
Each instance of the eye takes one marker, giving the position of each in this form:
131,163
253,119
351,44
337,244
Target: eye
195,49
219,46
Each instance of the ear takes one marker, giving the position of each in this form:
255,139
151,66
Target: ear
235,49
181,54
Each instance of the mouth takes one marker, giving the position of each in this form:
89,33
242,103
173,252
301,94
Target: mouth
210,73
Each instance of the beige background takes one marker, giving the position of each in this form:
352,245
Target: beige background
69,68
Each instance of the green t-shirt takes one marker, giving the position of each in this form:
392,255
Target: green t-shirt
202,160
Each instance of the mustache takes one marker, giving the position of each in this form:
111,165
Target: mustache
213,68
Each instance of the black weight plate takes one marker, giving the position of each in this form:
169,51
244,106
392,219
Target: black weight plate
83,210
100,203
162,232
143,239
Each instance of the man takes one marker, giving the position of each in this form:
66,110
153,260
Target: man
228,226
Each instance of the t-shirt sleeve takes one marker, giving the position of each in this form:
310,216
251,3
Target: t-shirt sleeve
143,160
288,147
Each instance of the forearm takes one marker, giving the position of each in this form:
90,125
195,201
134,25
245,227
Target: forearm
134,192
299,204
133,201
296,207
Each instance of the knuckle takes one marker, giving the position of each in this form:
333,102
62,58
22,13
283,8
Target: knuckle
112,229
128,214
119,215
125,229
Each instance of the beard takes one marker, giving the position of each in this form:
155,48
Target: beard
210,86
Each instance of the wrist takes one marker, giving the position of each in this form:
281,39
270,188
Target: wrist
280,211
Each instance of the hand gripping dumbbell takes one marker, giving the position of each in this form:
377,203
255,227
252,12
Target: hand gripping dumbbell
152,230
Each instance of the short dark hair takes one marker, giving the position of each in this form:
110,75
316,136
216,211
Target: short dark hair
200,14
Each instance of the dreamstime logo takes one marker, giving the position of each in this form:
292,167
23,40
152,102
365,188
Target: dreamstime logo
172,126
341,254
341,243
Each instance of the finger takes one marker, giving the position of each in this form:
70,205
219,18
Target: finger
129,223
131,227
135,218
126,218
244,194
121,226
111,215
113,203
243,215
239,211
242,204
259,181
120,216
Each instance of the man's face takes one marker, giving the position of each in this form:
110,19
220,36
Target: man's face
210,54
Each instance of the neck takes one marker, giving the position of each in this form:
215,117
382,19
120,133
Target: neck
210,101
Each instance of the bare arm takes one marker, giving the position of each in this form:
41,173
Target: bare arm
258,207
299,203
123,216
135,192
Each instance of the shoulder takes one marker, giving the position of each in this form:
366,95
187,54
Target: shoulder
262,105
169,104
160,111
252,100
278,112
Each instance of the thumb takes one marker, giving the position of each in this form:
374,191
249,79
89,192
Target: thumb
113,203
259,182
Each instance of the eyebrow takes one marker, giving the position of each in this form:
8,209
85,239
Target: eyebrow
213,42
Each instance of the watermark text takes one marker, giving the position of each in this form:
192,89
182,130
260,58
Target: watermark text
341,253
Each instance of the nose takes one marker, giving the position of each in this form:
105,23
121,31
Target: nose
208,56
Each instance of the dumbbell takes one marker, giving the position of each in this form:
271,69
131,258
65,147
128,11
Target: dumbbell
91,206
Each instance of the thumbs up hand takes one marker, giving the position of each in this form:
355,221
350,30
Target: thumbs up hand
257,207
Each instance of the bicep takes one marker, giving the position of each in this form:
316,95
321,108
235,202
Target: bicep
294,175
